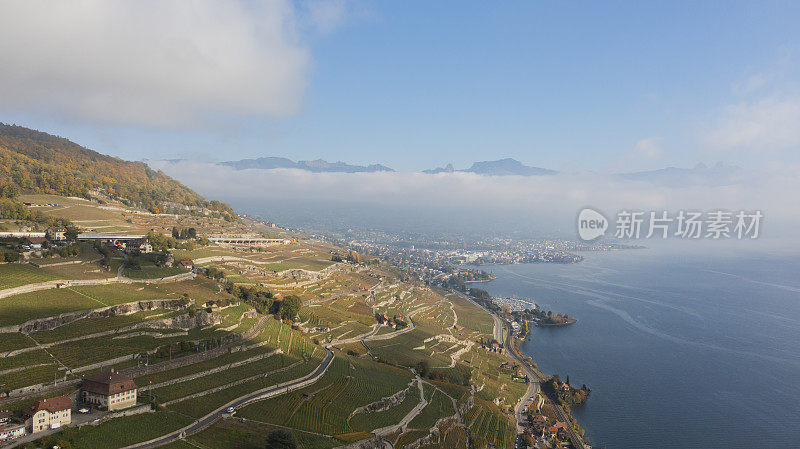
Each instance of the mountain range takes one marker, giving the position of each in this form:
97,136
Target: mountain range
717,175
701,174
501,167
316,166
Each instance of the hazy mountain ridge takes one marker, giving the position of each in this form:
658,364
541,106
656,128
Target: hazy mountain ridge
701,174
316,166
719,174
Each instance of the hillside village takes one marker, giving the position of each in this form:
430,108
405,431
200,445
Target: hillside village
126,326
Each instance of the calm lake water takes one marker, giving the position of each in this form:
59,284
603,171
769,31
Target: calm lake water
680,352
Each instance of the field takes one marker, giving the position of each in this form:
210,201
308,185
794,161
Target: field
89,326
367,422
439,406
204,383
152,272
113,294
12,341
204,404
233,434
488,427
15,275
401,349
18,309
120,432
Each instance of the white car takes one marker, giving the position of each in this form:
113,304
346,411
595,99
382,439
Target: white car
230,410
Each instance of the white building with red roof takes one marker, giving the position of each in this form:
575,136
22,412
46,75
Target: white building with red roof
50,413
110,390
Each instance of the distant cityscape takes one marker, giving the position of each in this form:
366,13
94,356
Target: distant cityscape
434,259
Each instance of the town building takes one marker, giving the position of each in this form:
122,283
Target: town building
50,413
11,431
36,242
109,390
141,245
56,234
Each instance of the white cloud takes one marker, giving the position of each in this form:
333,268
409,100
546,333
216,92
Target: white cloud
150,62
768,124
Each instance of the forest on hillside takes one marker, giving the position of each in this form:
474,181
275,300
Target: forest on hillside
36,162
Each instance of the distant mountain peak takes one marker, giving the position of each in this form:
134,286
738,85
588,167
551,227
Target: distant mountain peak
505,167
446,169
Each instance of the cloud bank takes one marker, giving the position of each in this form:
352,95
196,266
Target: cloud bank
150,62
535,205
767,124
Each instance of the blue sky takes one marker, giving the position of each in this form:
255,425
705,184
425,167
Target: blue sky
607,86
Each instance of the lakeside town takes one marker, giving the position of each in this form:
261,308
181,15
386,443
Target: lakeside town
434,259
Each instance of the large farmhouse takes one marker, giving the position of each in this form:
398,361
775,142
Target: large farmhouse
109,390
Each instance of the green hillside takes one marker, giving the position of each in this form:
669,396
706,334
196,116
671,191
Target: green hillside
35,162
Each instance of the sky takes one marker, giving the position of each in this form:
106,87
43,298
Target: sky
589,89
602,86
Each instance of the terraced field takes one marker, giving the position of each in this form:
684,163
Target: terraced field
401,349
88,326
233,434
367,422
204,404
12,341
325,406
488,427
113,294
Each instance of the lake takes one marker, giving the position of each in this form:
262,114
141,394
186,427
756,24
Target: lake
680,351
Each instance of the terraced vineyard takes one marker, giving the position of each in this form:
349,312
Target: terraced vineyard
206,345
325,406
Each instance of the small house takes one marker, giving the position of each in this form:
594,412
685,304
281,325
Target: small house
186,263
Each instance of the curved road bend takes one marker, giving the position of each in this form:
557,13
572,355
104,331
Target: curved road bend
266,393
